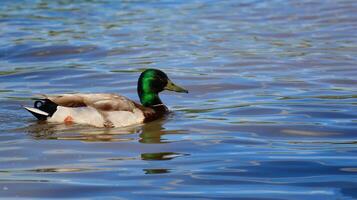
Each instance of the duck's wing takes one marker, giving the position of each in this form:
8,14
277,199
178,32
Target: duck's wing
101,102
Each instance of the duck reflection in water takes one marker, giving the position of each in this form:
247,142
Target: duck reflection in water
44,130
151,132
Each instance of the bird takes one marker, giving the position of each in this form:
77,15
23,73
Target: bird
107,109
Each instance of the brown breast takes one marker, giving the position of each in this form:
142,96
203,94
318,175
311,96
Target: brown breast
152,113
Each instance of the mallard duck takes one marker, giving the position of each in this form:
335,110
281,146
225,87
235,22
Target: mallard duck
108,110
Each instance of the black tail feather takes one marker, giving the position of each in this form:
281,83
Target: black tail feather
46,105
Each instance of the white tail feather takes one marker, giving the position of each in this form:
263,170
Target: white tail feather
35,110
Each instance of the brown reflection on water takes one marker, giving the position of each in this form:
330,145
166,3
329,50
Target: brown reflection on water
160,156
308,133
44,130
58,170
150,133
156,171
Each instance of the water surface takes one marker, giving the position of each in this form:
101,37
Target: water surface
271,112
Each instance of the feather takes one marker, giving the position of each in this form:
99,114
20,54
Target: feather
104,102
39,114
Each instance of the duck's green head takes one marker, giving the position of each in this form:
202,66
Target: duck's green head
151,83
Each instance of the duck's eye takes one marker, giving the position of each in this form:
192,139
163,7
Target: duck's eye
156,83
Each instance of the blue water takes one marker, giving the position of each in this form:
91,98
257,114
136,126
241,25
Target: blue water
271,112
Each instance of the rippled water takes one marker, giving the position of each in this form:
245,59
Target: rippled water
271,112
